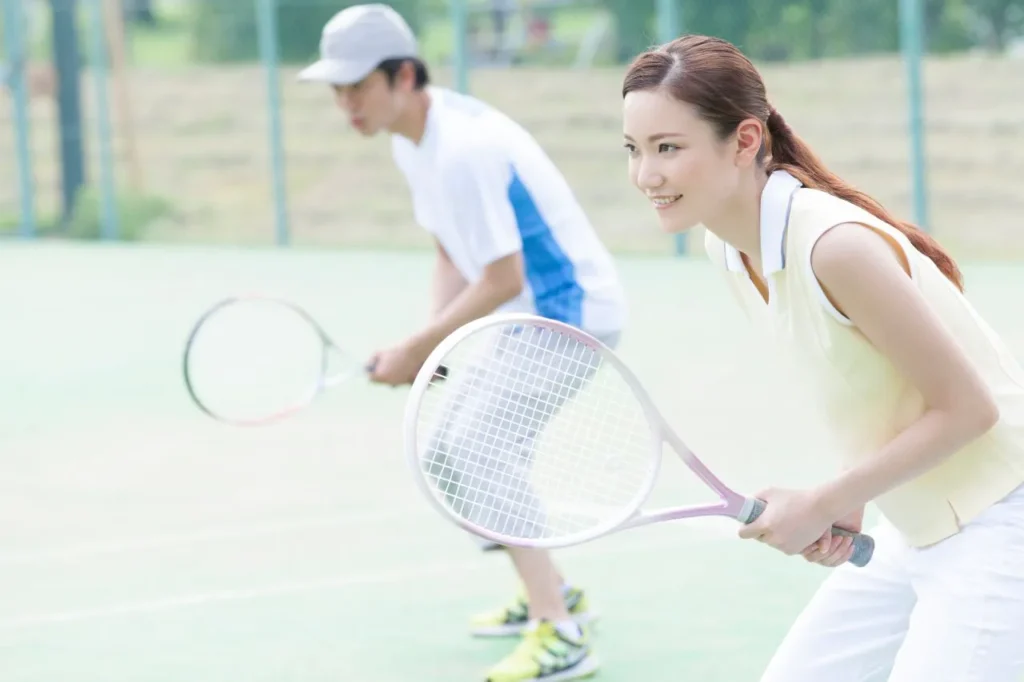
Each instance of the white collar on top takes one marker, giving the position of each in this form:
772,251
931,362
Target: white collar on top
775,202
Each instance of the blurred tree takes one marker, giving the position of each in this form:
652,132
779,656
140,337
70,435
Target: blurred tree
634,26
226,30
947,25
816,10
1002,20
728,19
769,30
139,12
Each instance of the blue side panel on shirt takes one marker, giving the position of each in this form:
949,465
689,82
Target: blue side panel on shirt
549,271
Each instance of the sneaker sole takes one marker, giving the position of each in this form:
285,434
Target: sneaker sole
586,668
514,630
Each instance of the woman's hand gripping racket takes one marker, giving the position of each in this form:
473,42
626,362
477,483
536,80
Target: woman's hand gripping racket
252,360
544,438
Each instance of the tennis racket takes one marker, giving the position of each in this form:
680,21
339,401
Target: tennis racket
544,438
252,360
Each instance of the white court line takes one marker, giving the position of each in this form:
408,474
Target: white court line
238,532
206,598
460,569
203,535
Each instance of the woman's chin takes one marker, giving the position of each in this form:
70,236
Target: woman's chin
676,224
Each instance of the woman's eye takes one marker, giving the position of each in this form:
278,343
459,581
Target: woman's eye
667,147
630,149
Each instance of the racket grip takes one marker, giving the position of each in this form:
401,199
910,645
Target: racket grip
863,545
440,374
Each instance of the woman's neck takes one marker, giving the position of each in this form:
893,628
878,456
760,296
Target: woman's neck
739,223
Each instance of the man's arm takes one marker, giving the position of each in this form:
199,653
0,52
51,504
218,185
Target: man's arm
448,282
477,183
502,281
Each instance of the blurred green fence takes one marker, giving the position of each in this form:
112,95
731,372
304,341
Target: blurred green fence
185,121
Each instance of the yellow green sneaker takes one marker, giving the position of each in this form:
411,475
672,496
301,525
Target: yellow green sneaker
511,620
545,654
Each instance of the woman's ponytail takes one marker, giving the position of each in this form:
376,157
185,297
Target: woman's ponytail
788,152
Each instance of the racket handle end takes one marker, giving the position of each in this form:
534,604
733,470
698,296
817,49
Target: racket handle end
863,546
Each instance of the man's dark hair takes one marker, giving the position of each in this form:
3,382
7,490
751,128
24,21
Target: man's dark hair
390,67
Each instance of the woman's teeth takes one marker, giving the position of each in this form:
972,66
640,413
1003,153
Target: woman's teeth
662,202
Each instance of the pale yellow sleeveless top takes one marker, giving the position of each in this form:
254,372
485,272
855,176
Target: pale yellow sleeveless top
866,402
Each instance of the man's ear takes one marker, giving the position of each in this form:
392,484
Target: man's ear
407,75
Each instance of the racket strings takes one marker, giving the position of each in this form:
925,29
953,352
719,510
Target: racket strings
252,358
563,484
537,437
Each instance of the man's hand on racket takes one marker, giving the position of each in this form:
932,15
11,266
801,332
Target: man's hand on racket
834,550
397,365
792,521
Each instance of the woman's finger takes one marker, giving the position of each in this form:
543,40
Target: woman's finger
840,553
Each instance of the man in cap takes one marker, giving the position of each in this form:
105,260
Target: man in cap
510,236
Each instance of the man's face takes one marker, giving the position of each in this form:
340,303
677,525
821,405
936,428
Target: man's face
373,104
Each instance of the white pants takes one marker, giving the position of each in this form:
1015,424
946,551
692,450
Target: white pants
950,612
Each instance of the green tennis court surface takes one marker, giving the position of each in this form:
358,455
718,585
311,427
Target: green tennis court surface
142,542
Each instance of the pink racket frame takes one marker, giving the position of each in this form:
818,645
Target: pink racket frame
732,504
324,380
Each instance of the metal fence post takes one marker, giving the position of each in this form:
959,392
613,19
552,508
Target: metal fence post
460,56
669,28
912,43
108,194
17,62
266,11
68,64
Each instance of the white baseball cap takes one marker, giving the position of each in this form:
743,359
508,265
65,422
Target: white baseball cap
356,40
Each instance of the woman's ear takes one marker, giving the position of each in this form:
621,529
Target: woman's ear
749,138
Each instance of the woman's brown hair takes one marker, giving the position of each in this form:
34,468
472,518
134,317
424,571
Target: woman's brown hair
725,88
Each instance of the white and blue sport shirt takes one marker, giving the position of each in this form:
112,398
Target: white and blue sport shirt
485,189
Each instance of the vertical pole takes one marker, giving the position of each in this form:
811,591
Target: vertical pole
669,28
69,102
267,17
668,20
912,41
98,43
460,58
113,12
14,38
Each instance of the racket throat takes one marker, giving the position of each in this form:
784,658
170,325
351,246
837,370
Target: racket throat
678,513
337,367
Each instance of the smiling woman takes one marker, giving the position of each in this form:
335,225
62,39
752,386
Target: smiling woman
926,403
724,90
